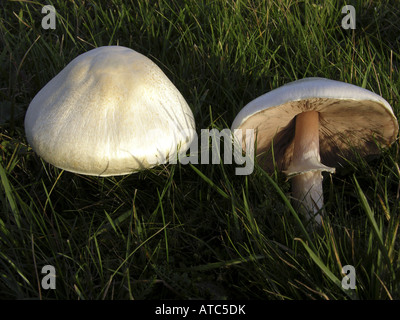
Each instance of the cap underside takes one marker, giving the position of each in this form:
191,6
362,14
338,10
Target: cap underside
347,127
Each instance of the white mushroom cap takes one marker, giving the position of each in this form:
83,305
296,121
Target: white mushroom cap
110,111
351,118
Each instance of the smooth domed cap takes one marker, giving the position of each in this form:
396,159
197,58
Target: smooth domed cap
110,111
351,118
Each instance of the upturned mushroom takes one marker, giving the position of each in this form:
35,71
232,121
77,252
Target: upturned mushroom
311,125
110,111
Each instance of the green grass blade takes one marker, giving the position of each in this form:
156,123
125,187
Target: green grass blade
376,230
211,183
349,292
9,195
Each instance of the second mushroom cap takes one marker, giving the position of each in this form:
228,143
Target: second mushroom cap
350,119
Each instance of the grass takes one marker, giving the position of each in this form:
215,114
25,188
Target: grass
198,231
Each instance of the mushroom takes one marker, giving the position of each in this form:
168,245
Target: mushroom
309,126
110,111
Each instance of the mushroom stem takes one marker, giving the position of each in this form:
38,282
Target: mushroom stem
307,192
306,139
305,169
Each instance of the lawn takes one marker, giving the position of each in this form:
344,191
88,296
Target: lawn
198,231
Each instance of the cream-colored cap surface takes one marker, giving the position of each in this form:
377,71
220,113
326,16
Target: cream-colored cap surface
351,118
110,111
